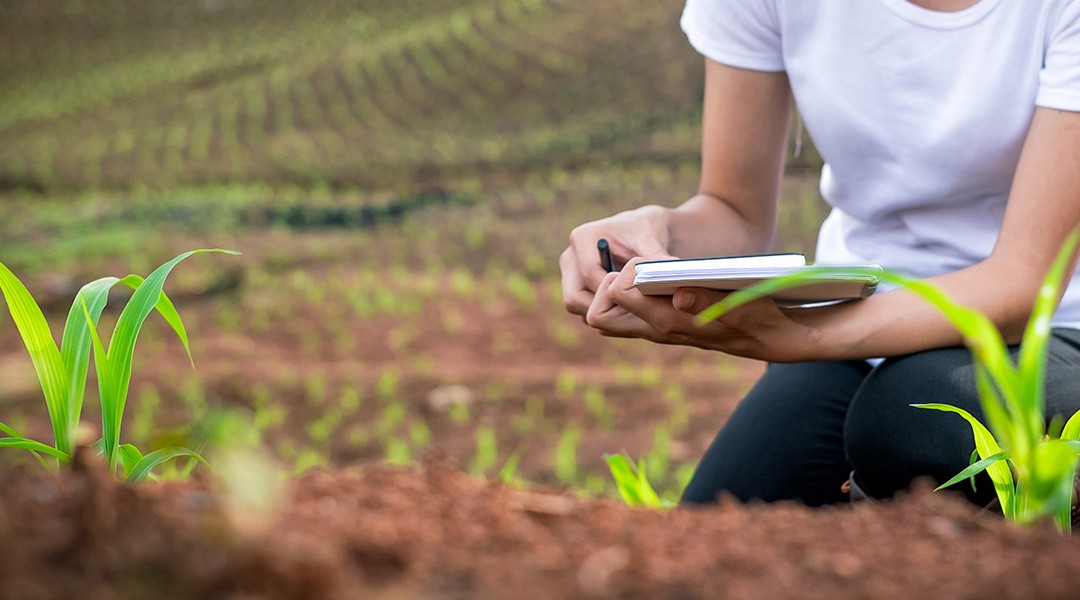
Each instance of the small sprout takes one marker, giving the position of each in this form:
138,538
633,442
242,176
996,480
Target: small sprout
632,482
566,460
487,451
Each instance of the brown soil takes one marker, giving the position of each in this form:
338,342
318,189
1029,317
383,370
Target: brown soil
434,532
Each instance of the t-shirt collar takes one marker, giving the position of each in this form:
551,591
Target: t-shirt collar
937,19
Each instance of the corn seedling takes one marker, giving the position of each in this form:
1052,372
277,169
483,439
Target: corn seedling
508,472
487,451
62,370
597,405
566,460
1031,466
632,482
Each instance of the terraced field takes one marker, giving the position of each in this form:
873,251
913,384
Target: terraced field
370,94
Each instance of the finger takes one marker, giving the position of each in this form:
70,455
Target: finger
649,248
693,300
576,297
612,320
585,255
656,311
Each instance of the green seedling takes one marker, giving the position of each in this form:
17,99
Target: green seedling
487,451
508,472
1032,466
566,460
632,482
62,370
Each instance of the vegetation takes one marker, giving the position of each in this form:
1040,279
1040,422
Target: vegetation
62,370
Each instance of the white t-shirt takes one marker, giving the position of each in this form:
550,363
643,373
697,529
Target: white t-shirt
919,115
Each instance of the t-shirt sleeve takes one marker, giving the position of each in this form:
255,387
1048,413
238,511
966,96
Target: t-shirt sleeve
1059,81
738,33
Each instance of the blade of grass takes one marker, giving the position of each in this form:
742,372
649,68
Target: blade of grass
973,469
44,354
33,446
115,377
1071,431
633,484
156,458
75,344
129,457
1033,350
987,446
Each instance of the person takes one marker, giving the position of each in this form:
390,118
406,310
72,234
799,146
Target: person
950,136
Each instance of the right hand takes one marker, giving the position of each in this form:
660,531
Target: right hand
642,232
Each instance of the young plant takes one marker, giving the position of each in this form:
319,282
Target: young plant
62,370
1032,467
632,482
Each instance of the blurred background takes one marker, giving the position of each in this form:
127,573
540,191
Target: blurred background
400,177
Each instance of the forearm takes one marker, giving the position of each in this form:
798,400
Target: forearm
708,226
901,322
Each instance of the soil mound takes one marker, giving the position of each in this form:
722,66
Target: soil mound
435,532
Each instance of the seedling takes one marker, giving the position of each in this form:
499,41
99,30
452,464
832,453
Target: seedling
632,482
566,460
62,370
1031,466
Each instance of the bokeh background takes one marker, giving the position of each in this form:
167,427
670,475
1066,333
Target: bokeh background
400,177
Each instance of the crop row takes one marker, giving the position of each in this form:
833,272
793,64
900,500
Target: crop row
478,85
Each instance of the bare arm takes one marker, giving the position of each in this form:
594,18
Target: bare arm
745,126
1044,206
745,123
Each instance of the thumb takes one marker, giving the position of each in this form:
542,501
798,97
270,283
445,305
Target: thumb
694,300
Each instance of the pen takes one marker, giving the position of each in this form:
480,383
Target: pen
605,255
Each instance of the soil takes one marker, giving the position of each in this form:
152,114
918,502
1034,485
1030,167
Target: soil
435,532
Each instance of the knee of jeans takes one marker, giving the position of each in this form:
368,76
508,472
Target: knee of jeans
882,445
890,445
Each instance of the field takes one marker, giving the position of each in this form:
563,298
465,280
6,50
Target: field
400,178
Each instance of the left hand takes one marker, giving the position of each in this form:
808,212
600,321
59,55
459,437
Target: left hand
758,329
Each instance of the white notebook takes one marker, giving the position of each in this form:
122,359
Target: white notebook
731,273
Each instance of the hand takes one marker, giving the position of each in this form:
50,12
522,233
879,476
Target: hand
639,232
758,330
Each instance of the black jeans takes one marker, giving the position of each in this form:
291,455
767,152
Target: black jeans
805,426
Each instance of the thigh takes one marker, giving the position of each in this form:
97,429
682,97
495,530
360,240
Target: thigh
784,441
1063,374
890,443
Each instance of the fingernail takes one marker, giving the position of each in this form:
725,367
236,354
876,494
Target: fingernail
684,300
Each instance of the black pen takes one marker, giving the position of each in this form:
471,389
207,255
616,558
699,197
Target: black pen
605,255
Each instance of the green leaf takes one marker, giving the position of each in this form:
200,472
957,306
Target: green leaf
129,457
75,344
1071,431
987,446
973,469
4,428
44,354
771,286
993,408
1053,471
1032,360
33,446
142,470
633,486
115,378
168,312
